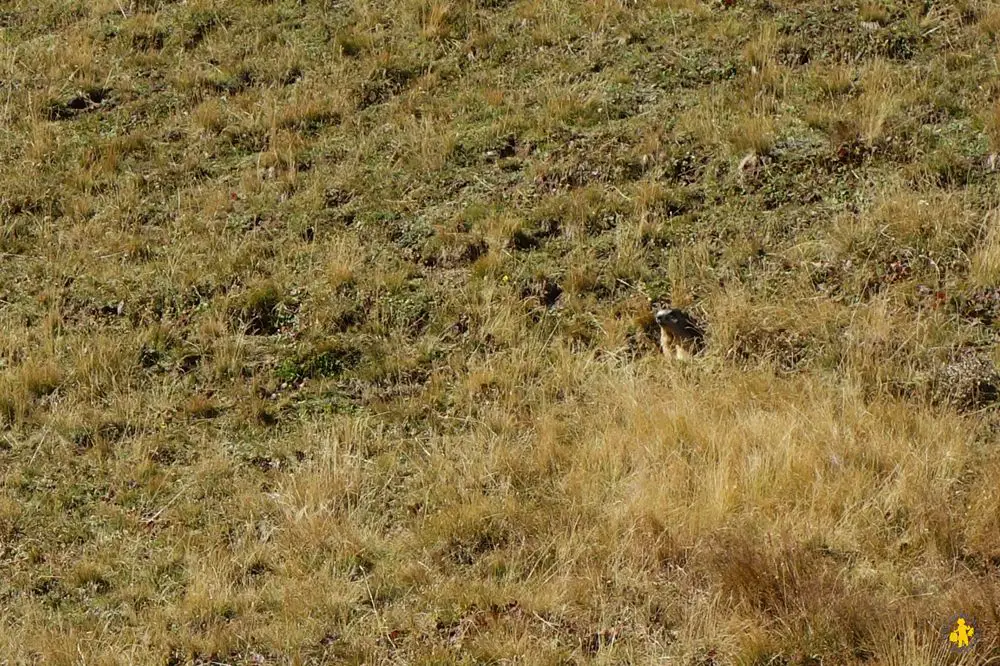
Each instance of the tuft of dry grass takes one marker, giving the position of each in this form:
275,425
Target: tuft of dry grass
992,122
877,102
985,269
754,134
873,12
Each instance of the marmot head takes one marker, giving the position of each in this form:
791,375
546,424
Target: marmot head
668,317
678,323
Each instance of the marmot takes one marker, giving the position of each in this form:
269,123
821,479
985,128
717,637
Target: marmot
680,337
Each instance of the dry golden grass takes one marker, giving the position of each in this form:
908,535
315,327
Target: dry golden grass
326,332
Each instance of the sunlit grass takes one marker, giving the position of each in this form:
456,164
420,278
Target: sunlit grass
326,332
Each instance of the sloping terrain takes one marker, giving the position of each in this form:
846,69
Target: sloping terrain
326,331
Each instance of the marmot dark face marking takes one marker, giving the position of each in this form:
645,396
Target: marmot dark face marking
680,337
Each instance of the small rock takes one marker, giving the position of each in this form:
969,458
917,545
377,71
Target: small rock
967,383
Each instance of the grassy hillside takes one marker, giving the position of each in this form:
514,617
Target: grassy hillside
326,331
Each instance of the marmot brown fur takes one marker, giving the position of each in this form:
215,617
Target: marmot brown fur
680,336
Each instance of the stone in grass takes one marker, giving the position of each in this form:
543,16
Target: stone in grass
968,383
